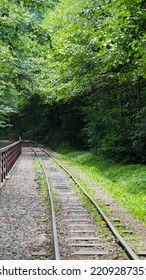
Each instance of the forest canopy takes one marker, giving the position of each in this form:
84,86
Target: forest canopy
76,72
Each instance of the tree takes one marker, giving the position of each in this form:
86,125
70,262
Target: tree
89,51
24,47
99,53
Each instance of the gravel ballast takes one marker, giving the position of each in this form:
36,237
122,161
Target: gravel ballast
23,231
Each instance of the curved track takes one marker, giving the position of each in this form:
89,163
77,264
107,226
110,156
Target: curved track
78,234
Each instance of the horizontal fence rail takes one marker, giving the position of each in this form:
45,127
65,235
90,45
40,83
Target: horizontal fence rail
8,157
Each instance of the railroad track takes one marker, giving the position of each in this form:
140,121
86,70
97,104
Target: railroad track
75,234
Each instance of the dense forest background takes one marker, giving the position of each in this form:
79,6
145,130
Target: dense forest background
73,73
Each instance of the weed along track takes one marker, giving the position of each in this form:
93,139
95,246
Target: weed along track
81,230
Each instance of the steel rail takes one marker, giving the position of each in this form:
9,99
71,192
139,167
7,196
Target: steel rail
53,218
131,254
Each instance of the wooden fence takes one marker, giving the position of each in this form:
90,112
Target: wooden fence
8,157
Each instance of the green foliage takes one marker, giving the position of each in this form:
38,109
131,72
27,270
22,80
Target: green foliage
24,46
93,51
59,124
92,41
99,52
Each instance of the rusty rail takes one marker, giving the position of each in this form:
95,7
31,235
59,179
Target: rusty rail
8,157
131,254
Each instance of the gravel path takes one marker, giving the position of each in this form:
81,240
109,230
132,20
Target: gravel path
23,232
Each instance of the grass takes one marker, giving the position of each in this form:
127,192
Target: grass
125,182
